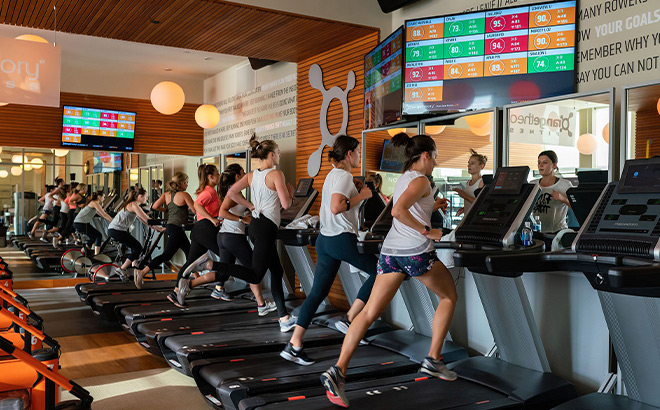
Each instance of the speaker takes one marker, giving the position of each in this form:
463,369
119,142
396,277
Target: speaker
257,63
389,6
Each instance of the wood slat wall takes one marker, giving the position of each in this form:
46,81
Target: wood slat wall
155,133
646,128
208,25
335,64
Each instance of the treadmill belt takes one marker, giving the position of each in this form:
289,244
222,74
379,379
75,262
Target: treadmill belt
209,305
268,373
85,288
402,392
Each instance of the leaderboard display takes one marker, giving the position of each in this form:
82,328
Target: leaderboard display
383,82
97,128
491,58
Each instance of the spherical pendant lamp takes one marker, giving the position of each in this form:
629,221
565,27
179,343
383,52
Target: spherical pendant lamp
587,144
16,171
394,131
434,129
60,152
37,163
167,97
32,37
479,121
606,133
4,174
207,116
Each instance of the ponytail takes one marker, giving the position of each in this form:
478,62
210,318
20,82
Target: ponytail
261,149
228,178
415,147
203,173
132,197
174,184
343,144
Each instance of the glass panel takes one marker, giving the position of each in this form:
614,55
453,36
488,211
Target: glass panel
144,181
215,160
239,158
641,116
577,129
133,176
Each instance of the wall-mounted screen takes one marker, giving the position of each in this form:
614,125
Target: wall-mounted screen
382,82
490,58
393,158
98,129
106,161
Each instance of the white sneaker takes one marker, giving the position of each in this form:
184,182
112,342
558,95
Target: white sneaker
269,306
289,324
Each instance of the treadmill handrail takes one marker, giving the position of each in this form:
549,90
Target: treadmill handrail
29,328
23,309
477,258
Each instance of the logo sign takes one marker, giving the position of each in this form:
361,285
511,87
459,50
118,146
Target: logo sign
29,73
316,81
543,124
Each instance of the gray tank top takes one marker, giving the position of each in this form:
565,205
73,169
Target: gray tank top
86,215
176,214
123,220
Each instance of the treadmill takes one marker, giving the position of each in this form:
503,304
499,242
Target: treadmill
484,382
618,250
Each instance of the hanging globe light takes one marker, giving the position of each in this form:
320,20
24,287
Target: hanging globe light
60,152
207,116
587,144
16,171
434,129
4,174
37,163
167,97
3,104
32,37
394,131
606,133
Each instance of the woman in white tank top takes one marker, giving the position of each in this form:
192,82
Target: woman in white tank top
407,252
270,194
476,164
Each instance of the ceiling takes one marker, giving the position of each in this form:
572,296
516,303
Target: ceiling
212,26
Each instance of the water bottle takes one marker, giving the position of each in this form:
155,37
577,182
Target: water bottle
526,235
536,227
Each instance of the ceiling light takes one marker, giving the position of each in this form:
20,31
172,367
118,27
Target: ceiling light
32,37
167,97
167,69
16,171
208,58
207,116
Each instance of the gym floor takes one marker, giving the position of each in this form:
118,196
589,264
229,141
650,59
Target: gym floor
99,355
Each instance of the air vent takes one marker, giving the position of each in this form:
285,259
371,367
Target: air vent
479,237
625,247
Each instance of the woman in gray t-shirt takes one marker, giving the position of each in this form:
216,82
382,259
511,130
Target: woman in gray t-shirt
552,206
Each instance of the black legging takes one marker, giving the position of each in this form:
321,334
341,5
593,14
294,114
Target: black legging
235,246
203,239
94,237
68,228
176,239
127,240
64,219
263,234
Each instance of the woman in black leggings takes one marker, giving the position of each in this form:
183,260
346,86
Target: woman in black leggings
204,232
270,193
232,241
177,202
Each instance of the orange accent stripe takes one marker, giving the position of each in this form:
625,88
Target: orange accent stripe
252,311
419,379
383,364
482,402
197,333
116,293
145,304
269,380
297,398
166,319
236,360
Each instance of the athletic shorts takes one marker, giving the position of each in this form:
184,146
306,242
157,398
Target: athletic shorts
45,212
411,266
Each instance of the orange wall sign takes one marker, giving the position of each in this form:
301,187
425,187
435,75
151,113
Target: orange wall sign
29,73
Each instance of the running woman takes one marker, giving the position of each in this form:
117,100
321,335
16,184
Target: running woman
552,206
83,221
407,252
49,201
270,194
176,203
337,242
204,233
121,224
232,241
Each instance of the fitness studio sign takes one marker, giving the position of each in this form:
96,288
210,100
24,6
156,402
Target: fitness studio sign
29,73
543,124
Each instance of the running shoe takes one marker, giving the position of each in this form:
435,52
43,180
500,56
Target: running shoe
437,368
342,325
56,242
296,356
43,239
31,235
222,295
121,273
198,265
172,297
289,324
335,382
269,306
138,278
183,292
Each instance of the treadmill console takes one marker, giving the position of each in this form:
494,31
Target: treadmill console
303,198
626,219
500,209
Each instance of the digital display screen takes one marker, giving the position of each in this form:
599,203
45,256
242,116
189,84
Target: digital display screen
96,128
106,161
641,178
382,82
393,159
491,58
509,181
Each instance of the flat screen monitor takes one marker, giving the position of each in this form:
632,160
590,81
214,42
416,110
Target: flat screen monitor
382,82
94,128
393,158
106,161
491,58
640,176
